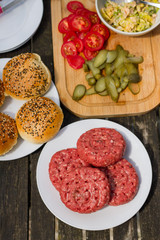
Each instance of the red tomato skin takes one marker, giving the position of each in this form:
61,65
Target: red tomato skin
89,54
102,29
79,44
82,11
70,17
72,6
64,25
68,48
75,62
93,16
70,36
93,41
81,35
80,23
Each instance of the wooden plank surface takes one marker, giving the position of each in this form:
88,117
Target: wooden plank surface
23,214
14,200
14,190
67,78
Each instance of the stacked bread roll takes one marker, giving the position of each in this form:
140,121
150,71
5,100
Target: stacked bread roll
26,77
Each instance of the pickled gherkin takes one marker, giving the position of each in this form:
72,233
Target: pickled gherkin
110,73
100,85
111,88
100,58
79,92
90,91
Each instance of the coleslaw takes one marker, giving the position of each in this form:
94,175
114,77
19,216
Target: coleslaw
129,17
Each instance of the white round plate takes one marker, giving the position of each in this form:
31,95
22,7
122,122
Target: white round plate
10,107
109,216
19,23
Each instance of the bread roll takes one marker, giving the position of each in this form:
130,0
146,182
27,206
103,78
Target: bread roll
25,76
8,133
2,96
39,120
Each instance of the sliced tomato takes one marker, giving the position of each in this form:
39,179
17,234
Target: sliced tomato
70,36
82,11
79,44
102,29
64,26
72,6
93,16
80,23
68,48
93,41
81,35
75,62
70,17
89,54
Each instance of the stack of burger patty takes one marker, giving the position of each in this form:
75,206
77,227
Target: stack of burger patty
94,174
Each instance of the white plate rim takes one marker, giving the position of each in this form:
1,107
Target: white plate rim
42,176
15,153
18,43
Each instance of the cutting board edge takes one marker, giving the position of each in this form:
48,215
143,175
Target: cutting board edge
72,108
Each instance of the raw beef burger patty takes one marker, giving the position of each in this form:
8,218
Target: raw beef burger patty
101,146
85,190
63,162
123,181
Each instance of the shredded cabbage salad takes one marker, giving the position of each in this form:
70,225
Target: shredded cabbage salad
129,17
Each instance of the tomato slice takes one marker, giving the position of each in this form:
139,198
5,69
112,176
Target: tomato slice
90,54
79,44
70,17
64,26
72,6
81,35
68,48
93,16
70,36
80,23
82,11
102,29
93,41
75,62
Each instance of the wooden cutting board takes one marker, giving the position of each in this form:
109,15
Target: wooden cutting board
67,78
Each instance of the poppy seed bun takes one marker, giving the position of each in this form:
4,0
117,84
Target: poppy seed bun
2,96
8,133
25,76
39,120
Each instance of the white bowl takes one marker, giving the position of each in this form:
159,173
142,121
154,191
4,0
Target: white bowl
100,4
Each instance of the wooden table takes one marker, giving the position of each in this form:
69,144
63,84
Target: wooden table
24,216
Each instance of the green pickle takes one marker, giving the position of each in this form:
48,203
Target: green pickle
110,73
90,91
100,58
111,88
100,85
79,92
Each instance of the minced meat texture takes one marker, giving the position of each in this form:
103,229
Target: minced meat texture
101,146
85,190
123,181
63,162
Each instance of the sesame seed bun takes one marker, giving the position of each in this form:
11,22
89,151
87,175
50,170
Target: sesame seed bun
8,133
25,76
2,96
39,120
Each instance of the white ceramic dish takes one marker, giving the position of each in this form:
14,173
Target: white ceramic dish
10,107
100,4
19,24
107,217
